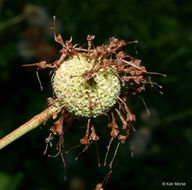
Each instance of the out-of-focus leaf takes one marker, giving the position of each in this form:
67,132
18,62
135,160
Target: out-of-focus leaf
9,182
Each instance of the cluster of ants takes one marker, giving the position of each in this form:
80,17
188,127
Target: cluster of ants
133,78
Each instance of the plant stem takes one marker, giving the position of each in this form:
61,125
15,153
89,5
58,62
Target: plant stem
28,126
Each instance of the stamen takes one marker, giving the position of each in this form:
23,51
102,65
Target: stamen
85,140
106,179
48,142
74,147
38,78
146,108
122,119
108,148
86,148
65,166
98,156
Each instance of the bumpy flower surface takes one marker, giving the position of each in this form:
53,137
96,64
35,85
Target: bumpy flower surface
76,93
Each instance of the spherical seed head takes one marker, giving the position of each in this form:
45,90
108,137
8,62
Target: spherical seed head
77,93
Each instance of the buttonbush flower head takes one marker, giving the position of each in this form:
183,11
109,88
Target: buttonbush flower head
83,99
87,83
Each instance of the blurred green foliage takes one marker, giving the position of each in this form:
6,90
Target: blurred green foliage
163,141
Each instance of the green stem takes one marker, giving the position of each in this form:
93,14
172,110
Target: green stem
28,126
12,21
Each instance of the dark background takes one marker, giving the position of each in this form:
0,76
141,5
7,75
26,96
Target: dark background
163,141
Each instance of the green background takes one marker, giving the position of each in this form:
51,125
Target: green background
163,141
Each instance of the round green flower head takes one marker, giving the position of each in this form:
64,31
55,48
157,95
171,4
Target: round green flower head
82,98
